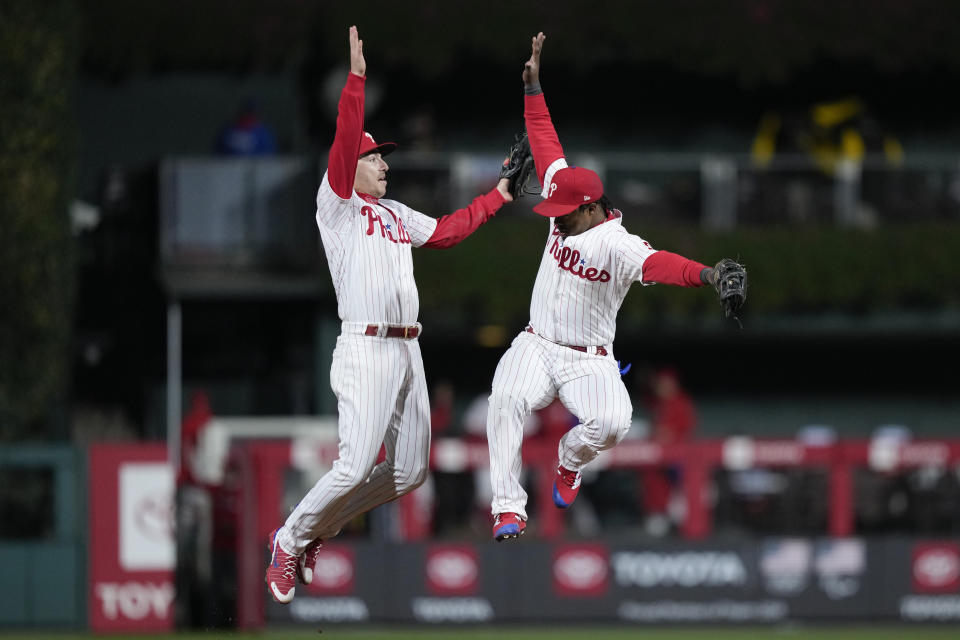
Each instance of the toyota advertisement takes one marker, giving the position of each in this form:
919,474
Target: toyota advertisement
132,550
934,581
764,580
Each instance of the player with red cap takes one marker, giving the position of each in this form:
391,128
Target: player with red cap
377,371
589,263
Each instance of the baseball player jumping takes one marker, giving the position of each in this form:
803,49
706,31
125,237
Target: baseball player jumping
377,372
588,264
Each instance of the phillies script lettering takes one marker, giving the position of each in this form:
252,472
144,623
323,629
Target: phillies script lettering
570,260
386,230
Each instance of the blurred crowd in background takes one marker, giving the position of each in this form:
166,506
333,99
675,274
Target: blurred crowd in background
168,155
158,167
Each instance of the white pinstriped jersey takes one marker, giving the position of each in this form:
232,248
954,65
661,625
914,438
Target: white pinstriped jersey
367,243
582,282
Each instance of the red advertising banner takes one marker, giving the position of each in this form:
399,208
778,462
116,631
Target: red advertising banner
132,550
581,570
452,570
936,567
334,573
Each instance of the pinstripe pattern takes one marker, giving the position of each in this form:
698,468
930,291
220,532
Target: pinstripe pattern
379,382
569,307
381,398
367,243
580,285
530,374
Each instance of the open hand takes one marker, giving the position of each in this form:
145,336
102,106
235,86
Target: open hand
531,68
357,64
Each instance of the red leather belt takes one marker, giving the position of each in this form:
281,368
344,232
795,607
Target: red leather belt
600,350
407,333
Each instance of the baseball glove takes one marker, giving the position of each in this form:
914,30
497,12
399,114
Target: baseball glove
518,166
730,282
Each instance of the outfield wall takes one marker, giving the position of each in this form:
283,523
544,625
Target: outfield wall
547,575
763,580
406,576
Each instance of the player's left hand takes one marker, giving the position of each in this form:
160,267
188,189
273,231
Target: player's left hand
531,68
729,279
357,63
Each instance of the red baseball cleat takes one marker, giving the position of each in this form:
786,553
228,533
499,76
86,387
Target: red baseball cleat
566,486
308,561
281,572
508,525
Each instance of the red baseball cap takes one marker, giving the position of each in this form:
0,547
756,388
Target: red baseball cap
570,188
369,145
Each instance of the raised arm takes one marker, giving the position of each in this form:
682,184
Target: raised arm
342,161
547,152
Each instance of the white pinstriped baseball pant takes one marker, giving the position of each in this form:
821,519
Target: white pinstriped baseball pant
529,376
381,398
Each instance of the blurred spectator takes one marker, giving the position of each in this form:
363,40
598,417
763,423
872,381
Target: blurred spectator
817,435
883,490
246,134
194,422
834,137
673,416
194,523
826,133
452,506
672,419
892,499
441,409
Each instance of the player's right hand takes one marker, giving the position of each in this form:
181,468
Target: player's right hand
357,64
531,68
503,186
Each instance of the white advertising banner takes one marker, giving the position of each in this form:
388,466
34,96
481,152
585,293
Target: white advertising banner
146,517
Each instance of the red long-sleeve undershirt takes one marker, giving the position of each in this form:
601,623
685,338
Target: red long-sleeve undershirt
544,142
345,150
663,267
342,169
670,268
454,227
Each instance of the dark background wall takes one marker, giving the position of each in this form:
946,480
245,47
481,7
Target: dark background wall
867,321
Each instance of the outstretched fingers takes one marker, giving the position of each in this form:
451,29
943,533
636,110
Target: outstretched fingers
357,64
537,46
531,68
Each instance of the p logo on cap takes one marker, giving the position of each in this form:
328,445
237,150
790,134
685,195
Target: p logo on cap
571,187
369,145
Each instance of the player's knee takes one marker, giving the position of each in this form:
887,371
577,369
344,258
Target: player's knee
615,429
349,476
504,404
410,481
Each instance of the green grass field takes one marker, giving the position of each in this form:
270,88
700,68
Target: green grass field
891,632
